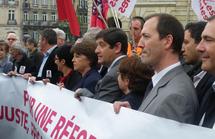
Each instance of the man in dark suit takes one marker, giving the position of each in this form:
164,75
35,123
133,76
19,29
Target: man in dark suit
206,114
201,79
111,49
48,68
173,95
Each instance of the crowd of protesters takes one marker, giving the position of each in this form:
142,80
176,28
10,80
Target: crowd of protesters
146,73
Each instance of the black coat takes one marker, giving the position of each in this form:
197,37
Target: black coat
51,67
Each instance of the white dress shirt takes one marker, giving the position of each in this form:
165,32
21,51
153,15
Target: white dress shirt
157,76
45,58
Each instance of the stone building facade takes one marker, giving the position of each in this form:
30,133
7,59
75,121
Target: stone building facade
10,17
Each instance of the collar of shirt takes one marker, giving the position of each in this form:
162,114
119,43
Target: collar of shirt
115,60
45,58
49,51
156,78
198,77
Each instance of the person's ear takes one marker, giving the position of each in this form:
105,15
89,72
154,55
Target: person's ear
168,41
63,61
118,47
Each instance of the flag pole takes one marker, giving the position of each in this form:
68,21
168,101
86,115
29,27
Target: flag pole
114,16
100,13
117,18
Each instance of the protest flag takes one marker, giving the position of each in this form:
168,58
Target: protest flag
124,7
203,8
99,14
66,12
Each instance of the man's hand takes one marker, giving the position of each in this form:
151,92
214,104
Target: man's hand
61,85
12,73
45,81
118,104
32,79
26,76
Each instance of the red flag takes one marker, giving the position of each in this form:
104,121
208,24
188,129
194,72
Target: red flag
66,11
96,19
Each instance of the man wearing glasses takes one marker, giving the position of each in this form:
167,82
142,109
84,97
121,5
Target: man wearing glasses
11,38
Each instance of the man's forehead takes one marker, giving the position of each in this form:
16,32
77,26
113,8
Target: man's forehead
209,29
136,23
11,35
150,24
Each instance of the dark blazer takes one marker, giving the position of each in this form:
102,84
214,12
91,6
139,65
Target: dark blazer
207,107
173,97
36,58
51,66
89,80
107,88
204,85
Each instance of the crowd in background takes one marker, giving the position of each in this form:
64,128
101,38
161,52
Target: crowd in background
164,70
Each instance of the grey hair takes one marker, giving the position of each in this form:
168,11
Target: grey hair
91,34
17,46
60,33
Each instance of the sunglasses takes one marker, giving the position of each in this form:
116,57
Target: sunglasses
11,39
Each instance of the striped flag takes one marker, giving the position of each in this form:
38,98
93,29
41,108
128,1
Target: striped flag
96,18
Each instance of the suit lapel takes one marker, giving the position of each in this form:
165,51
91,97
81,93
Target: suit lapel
155,90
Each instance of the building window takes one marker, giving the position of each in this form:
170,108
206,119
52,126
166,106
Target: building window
80,3
44,16
35,16
44,2
35,2
11,15
26,16
85,4
85,19
11,1
53,17
35,35
53,2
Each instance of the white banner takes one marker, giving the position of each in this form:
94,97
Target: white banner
44,111
203,8
124,7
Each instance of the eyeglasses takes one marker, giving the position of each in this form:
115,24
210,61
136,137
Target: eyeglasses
11,39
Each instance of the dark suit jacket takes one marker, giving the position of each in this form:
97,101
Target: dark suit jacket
207,107
51,66
173,97
107,88
36,58
204,85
